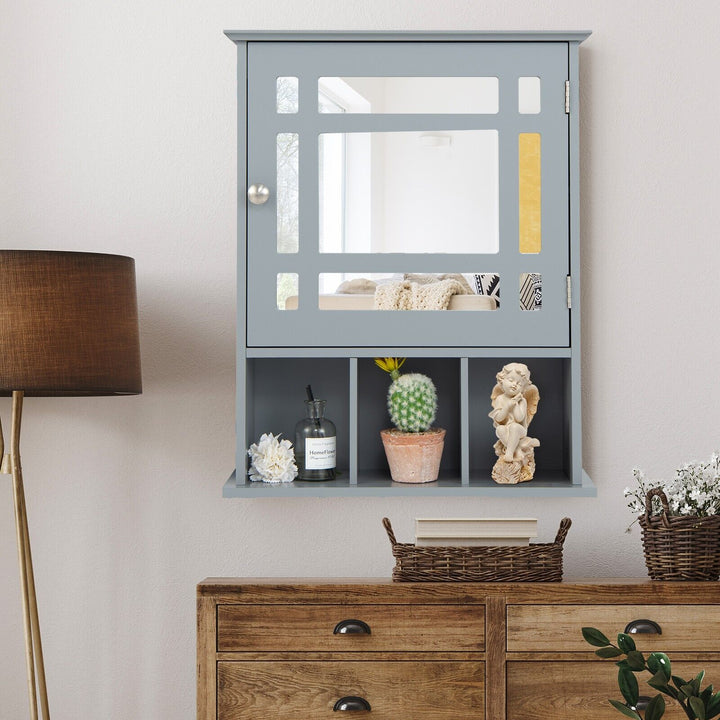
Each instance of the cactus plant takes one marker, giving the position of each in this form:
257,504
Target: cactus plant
413,448
411,399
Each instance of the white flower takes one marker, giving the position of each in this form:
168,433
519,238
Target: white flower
272,460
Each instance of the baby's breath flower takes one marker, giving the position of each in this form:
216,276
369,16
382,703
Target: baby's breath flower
694,489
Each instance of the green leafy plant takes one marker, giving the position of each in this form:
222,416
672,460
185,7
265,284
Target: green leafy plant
411,399
697,704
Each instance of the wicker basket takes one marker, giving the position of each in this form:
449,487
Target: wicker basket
679,547
541,562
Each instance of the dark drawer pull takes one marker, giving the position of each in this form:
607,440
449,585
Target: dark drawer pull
647,627
352,703
351,627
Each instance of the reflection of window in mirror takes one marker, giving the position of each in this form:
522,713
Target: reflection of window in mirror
416,95
344,174
335,95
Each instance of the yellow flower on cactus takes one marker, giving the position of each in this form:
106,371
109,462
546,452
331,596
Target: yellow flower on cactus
390,365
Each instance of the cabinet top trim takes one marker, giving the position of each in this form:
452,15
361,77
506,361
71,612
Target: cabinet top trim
239,36
320,591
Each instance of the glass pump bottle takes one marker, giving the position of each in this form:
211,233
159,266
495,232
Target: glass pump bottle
315,444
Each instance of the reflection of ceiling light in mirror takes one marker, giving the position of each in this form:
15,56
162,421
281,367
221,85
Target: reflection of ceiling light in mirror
435,140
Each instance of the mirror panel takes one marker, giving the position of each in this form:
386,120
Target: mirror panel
529,192
288,210
529,95
416,95
409,192
287,95
287,291
408,291
530,291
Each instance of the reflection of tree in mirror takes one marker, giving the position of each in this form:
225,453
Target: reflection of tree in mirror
287,192
287,95
287,170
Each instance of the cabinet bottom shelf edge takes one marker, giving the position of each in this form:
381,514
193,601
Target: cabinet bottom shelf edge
377,483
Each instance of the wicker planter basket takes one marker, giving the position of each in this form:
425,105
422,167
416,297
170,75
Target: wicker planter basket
679,547
541,562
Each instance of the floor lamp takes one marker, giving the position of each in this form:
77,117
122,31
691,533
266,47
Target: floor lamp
68,327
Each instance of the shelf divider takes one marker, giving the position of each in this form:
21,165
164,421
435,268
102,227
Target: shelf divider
353,420
464,423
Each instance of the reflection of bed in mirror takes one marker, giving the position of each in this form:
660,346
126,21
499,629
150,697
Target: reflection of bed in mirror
340,301
406,291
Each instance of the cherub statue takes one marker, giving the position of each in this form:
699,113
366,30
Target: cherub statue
514,401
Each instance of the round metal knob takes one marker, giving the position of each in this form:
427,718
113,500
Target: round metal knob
258,194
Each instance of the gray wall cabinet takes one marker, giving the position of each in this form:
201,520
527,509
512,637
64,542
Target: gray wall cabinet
364,157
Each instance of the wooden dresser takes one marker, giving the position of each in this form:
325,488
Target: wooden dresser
274,648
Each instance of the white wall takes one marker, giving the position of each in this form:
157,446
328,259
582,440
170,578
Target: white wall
440,198
117,134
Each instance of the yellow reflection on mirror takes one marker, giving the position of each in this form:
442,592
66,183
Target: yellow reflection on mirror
529,192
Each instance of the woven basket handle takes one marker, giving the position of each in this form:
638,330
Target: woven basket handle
656,492
562,532
389,531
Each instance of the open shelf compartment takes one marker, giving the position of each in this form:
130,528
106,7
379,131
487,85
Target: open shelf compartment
551,425
356,391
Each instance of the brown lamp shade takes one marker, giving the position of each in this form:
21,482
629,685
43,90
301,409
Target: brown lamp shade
68,324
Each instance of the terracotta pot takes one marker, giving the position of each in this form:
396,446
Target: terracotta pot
413,457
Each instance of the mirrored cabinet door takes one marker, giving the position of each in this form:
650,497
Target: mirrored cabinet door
407,194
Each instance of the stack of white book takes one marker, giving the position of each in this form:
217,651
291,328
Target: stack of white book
437,532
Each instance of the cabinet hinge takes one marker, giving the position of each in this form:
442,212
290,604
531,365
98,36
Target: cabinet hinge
568,281
567,97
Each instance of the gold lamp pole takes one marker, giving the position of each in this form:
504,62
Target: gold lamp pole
68,326
33,642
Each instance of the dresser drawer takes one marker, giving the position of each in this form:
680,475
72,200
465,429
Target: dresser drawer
310,690
311,628
558,627
580,690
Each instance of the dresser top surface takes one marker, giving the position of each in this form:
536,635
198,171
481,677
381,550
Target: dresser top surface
378,590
